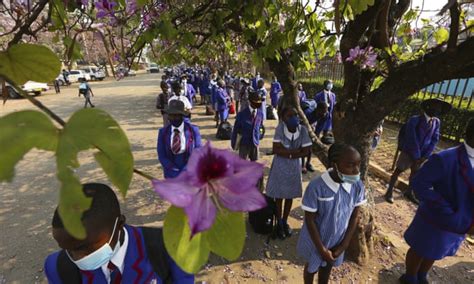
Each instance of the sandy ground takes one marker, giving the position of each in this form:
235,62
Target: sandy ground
27,204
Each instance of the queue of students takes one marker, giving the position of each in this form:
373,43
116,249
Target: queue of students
443,183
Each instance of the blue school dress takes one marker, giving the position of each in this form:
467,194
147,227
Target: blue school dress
275,92
284,180
445,189
334,203
325,123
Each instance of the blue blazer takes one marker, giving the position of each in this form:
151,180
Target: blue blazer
137,267
420,138
248,127
255,82
325,123
221,99
445,187
173,164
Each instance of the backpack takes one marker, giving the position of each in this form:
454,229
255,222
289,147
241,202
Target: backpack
69,273
224,131
263,220
270,113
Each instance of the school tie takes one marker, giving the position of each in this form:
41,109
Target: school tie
115,275
254,112
176,145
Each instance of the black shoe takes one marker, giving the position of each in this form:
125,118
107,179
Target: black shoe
288,230
310,168
410,196
281,231
389,197
423,281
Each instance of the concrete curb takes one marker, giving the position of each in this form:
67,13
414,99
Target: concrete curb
379,172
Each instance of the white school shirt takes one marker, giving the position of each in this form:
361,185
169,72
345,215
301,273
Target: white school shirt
470,153
117,259
187,104
251,111
181,135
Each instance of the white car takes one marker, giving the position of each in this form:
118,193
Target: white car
94,72
35,87
153,68
74,75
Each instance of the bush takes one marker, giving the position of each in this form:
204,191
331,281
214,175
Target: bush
452,124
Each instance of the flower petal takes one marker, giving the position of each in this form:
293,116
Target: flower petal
175,191
251,200
201,213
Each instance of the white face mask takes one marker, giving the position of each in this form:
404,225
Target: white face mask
99,257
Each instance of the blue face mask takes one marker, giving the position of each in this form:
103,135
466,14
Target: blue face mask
351,179
99,257
292,122
329,87
176,122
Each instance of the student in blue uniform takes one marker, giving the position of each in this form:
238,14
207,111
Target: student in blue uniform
301,93
188,89
162,101
86,91
275,90
222,101
112,252
262,92
417,140
290,143
445,188
326,96
331,204
255,80
313,112
204,89
246,133
176,141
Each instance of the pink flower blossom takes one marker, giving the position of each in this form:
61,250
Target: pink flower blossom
364,57
213,179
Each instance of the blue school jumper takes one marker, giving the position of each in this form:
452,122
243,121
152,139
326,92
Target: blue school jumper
445,188
137,267
325,123
173,164
190,92
420,137
275,90
248,127
222,103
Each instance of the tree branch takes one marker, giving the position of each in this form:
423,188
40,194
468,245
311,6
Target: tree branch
26,26
454,13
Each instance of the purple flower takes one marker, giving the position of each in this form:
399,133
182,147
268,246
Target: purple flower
85,3
213,179
365,57
131,6
104,8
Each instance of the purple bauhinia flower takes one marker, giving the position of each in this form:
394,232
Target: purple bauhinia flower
213,179
131,6
104,8
364,57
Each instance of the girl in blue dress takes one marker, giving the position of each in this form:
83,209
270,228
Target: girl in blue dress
445,188
331,204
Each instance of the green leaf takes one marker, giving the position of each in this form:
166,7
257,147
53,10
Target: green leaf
24,62
189,254
142,3
441,35
227,235
90,129
359,6
19,133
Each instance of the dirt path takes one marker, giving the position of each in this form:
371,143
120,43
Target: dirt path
27,204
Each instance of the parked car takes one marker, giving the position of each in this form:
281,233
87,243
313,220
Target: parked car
94,72
153,68
35,87
125,71
12,93
61,80
74,75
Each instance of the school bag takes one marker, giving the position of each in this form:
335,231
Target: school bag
210,110
270,113
69,273
263,220
224,131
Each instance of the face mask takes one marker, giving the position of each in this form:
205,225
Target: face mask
176,122
351,179
329,87
181,92
184,82
99,257
292,122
